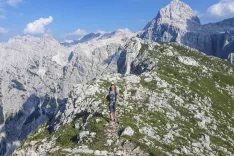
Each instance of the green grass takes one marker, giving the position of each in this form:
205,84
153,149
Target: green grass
39,136
152,151
201,86
99,128
66,136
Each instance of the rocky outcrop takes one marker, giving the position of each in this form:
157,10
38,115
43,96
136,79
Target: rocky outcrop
128,131
187,60
128,55
134,59
177,22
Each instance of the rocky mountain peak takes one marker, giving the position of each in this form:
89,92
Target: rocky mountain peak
177,11
177,22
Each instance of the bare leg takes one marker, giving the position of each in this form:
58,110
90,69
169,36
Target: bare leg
115,115
110,116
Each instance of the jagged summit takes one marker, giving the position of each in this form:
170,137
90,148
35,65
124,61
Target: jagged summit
175,17
176,13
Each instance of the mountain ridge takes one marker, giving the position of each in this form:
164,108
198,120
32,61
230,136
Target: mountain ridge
174,107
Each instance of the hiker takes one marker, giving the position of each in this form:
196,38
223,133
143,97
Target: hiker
111,97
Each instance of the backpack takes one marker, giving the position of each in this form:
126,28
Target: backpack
108,96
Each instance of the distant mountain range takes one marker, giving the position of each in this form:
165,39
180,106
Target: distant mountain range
96,36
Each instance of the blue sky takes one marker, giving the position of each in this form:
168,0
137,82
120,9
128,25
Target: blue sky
85,16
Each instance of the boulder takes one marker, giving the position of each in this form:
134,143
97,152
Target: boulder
128,131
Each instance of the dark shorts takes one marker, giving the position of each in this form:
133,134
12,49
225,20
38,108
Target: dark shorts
112,107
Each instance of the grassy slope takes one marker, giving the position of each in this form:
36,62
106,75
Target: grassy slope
202,86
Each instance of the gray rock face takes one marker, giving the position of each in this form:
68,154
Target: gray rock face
142,64
29,85
128,55
134,61
177,22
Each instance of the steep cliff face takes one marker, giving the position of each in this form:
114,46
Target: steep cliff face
177,22
29,92
37,75
176,104
223,44
231,58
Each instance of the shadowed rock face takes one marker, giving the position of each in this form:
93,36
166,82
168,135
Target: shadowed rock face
223,44
177,22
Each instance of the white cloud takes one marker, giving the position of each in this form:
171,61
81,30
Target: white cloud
78,32
14,3
3,31
38,26
224,8
101,32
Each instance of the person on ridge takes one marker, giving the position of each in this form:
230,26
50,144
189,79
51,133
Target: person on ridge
111,97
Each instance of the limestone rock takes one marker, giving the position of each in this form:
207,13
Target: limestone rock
187,60
128,131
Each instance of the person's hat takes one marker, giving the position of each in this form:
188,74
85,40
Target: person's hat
112,83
